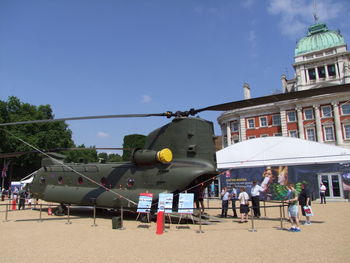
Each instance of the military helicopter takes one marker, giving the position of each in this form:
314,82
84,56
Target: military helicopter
176,157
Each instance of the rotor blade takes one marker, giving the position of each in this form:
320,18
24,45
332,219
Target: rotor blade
16,154
88,118
276,98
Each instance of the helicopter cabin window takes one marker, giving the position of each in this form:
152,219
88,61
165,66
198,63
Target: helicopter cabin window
130,183
60,180
103,181
42,180
80,180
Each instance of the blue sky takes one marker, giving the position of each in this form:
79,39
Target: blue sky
87,57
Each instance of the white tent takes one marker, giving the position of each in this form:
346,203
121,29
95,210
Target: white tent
275,151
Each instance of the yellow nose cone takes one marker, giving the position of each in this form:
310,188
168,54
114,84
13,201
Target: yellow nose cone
165,156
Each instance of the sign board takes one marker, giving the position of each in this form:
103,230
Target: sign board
145,203
165,202
186,203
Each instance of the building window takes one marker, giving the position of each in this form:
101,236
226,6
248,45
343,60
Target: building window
312,73
234,126
309,114
251,137
345,109
251,124
263,121
321,72
326,111
293,133
310,134
278,134
329,133
346,128
292,117
276,120
264,135
331,70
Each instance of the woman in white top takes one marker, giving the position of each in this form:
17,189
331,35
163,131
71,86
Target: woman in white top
244,205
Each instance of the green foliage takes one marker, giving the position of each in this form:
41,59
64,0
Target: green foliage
110,157
44,136
132,141
82,155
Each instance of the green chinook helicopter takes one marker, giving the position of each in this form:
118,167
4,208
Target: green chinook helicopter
177,157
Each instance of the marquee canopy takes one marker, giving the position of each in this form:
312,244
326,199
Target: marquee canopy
276,151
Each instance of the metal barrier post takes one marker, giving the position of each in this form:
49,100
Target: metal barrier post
281,219
264,209
283,213
68,216
7,210
94,224
200,222
122,218
40,220
252,219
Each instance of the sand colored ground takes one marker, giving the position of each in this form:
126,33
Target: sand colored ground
24,239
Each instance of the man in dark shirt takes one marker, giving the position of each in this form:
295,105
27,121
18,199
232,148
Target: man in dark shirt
304,200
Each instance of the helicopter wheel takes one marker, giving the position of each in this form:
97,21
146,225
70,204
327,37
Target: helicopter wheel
60,210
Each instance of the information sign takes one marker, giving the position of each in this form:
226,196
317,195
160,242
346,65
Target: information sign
165,202
145,203
186,203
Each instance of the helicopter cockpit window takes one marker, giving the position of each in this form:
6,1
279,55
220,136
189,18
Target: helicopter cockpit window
103,181
130,183
80,180
42,180
60,180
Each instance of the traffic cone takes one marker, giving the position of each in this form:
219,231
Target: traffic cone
160,223
14,204
49,211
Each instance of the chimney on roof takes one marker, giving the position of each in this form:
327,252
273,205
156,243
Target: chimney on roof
246,90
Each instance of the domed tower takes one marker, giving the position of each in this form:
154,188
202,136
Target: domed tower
321,59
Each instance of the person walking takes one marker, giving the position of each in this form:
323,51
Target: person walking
243,198
304,200
255,193
293,208
224,204
233,197
323,190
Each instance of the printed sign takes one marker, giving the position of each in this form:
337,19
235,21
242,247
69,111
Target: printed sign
145,203
186,203
165,203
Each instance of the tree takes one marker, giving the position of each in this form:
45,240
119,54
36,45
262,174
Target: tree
132,141
82,155
27,137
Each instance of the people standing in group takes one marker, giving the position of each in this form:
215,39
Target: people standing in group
323,190
292,201
304,200
243,198
225,195
233,197
255,193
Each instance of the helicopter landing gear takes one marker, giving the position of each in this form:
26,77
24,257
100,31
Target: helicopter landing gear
60,210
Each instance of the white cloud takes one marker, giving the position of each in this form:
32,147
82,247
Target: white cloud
297,15
252,39
146,99
102,135
248,3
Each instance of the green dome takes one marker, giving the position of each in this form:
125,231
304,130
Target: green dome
318,38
